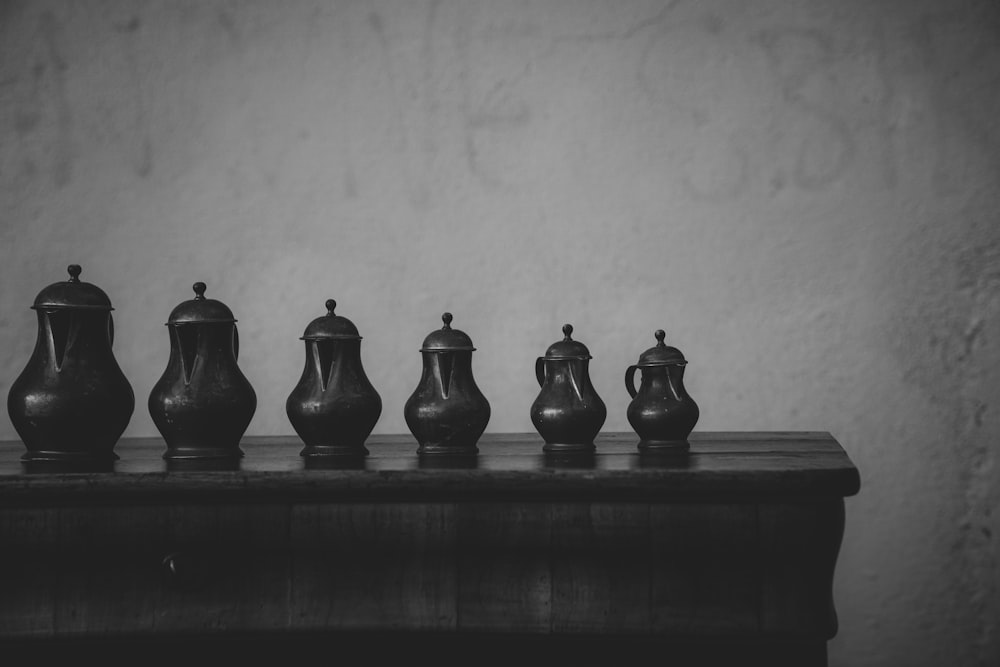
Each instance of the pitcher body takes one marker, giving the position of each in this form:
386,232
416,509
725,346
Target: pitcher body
661,412
71,402
334,406
568,412
447,413
202,404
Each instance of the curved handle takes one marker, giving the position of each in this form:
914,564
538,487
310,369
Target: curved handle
630,380
540,371
236,343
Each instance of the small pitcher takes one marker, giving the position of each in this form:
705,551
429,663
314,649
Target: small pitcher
567,412
661,412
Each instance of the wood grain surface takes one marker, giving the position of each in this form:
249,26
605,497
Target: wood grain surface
510,467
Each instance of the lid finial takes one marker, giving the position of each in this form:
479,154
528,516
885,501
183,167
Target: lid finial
71,293
447,339
661,354
331,326
567,348
201,310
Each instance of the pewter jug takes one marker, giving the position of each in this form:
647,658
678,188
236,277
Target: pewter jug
567,413
447,413
334,407
202,404
71,402
662,413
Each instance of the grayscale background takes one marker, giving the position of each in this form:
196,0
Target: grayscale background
805,194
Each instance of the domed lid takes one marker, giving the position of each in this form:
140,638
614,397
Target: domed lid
447,339
660,354
72,293
331,327
200,310
567,348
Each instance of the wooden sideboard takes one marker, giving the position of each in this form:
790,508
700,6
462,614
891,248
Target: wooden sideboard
725,556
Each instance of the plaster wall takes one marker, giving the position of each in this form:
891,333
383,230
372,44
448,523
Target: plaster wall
804,195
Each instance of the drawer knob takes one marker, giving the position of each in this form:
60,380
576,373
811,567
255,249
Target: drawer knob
170,563
182,570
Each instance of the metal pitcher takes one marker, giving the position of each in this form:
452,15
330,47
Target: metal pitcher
662,413
447,413
568,413
202,404
72,402
334,406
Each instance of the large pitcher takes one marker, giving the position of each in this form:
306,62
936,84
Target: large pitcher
447,413
202,404
71,402
334,406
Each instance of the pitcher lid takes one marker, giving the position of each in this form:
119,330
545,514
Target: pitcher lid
661,354
567,348
72,293
331,326
447,339
200,310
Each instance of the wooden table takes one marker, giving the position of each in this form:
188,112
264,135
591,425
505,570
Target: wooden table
725,556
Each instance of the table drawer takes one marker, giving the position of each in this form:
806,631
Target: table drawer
663,569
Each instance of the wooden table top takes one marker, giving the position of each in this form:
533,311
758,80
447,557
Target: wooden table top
509,466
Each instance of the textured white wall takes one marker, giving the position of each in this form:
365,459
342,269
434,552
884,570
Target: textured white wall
803,194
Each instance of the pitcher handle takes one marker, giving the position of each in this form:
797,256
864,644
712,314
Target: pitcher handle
630,380
540,371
